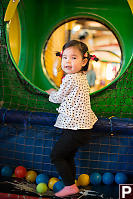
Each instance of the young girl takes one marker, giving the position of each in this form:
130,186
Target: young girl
76,117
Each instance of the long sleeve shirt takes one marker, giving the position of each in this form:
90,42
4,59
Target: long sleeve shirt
75,109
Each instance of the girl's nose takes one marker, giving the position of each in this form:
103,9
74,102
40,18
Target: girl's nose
68,60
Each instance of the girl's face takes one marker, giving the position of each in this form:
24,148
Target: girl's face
72,60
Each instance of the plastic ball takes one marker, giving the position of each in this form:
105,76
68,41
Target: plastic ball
41,188
60,178
76,182
83,180
108,178
13,175
120,178
20,172
31,176
58,186
6,171
95,178
51,182
42,178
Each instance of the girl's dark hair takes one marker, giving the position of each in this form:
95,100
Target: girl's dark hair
83,49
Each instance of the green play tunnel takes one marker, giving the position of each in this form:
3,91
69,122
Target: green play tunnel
33,24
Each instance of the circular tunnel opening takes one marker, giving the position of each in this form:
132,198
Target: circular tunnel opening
101,42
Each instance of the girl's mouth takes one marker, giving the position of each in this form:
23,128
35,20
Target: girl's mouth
68,67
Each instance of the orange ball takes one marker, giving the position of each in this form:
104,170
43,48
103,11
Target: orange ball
20,172
31,176
51,182
83,180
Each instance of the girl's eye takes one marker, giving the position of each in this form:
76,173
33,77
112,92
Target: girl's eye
64,57
73,57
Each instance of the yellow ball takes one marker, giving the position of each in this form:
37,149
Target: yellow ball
13,175
31,176
83,180
76,182
52,181
41,188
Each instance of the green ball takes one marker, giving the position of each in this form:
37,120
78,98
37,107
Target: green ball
41,188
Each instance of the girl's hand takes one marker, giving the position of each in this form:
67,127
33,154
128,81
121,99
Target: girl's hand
50,90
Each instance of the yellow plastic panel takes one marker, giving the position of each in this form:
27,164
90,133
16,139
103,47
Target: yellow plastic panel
14,37
11,9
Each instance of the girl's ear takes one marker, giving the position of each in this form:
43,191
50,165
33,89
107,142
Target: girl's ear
84,62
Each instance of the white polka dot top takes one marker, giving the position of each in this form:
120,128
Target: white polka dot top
75,110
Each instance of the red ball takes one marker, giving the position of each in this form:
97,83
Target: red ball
20,172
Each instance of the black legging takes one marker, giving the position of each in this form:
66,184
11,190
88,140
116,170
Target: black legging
64,151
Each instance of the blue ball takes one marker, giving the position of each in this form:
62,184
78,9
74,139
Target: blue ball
108,178
95,178
58,186
42,178
6,171
60,178
120,178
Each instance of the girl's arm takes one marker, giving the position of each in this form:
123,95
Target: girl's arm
50,90
65,88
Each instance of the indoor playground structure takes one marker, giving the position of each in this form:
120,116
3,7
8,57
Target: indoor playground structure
30,34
